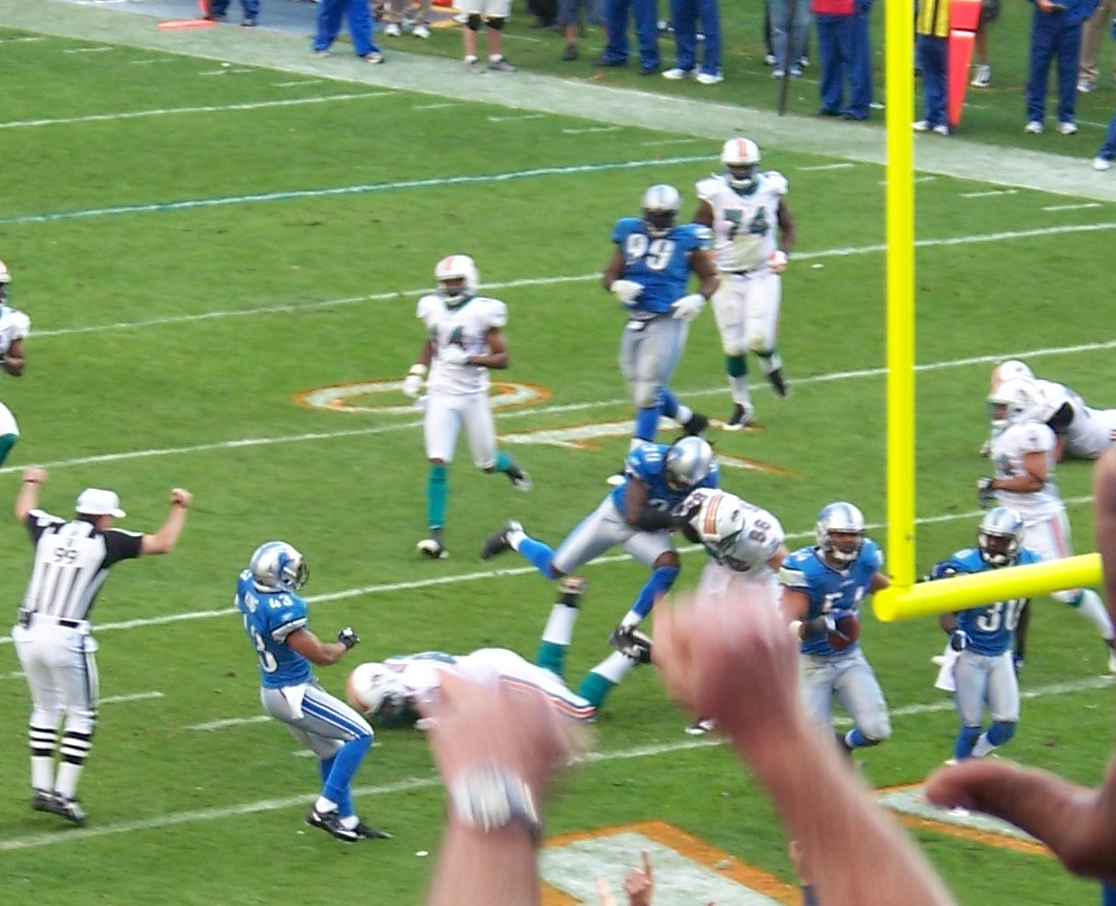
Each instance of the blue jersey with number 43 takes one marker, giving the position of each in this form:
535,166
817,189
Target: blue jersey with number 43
646,462
269,617
990,627
660,263
830,588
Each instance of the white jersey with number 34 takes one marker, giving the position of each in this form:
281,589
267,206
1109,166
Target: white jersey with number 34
466,326
743,225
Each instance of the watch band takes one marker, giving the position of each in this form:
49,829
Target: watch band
492,796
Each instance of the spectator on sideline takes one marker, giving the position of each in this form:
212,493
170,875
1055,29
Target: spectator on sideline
1092,32
989,13
932,46
685,15
1075,821
219,9
493,15
545,12
330,13
846,55
788,36
617,49
569,19
15,325
397,11
54,638
1055,35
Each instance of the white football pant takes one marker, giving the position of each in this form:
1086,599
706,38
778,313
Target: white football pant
448,413
746,307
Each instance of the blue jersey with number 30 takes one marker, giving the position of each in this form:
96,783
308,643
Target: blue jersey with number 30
990,627
830,588
660,264
269,617
647,463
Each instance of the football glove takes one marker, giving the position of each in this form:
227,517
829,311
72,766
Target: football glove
986,449
627,291
688,307
348,637
412,383
777,261
454,355
985,494
959,640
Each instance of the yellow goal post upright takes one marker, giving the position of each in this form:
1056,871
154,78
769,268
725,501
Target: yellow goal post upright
905,599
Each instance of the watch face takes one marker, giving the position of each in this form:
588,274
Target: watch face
491,797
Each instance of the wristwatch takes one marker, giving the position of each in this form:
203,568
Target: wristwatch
491,797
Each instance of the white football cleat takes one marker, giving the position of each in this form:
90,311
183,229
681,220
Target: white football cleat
701,727
433,548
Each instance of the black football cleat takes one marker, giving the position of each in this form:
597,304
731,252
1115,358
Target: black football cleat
498,543
631,643
520,480
364,832
778,383
739,419
432,548
330,822
696,424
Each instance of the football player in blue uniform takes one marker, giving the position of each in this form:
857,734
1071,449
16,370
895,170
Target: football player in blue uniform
648,273
275,619
983,637
639,514
823,584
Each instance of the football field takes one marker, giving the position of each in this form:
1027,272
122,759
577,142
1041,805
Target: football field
221,264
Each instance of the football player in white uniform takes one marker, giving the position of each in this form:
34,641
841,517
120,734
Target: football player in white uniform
464,340
1022,453
753,232
14,327
745,543
1082,432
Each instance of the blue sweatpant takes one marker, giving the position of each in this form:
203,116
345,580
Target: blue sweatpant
1052,38
932,59
646,15
845,54
684,15
330,14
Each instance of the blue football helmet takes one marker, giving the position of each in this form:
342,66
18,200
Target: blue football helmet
688,462
277,566
840,532
1000,536
660,209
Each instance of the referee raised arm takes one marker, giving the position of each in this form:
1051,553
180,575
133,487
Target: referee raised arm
53,637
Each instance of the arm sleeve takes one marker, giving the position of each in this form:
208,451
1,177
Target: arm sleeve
121,545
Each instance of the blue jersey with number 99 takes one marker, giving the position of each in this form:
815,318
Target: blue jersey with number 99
269,618
661,264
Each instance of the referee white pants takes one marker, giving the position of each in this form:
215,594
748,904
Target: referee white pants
61,672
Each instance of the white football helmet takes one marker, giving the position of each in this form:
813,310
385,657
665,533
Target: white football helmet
376,690
1015,402
660,206
1000,536
277,566
719,523
845,520
5,281
457,277
741,157
688,462
1013,368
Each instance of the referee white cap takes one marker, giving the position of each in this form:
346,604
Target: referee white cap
99,502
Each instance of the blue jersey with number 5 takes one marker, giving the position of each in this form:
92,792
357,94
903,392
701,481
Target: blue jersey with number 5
647,463
990,627
830,588
269,617
660,263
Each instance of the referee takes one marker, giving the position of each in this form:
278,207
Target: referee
53,637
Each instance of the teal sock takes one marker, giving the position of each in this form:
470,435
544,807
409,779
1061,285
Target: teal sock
595,688
552,657
736,366
504,463
6,443
436,494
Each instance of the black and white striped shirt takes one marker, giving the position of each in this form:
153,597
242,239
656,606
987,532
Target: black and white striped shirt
72,561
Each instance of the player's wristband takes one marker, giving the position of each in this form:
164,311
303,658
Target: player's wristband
492,797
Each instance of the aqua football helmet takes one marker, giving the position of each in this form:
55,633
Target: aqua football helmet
660,206
277,566
688,462
1015,402
741,157
377,691
457,278
840,532
1000,536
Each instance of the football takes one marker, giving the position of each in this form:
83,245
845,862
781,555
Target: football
848,631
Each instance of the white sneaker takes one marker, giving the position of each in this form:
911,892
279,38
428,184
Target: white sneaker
1101,164
1034,127
941,130
921,125
1067,128
983,77
421,31
1112,660
676,74
708,78
1084,86
778,74
770,60
392,30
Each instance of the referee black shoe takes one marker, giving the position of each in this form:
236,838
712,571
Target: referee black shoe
364,832
70,809
42,800
330,822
